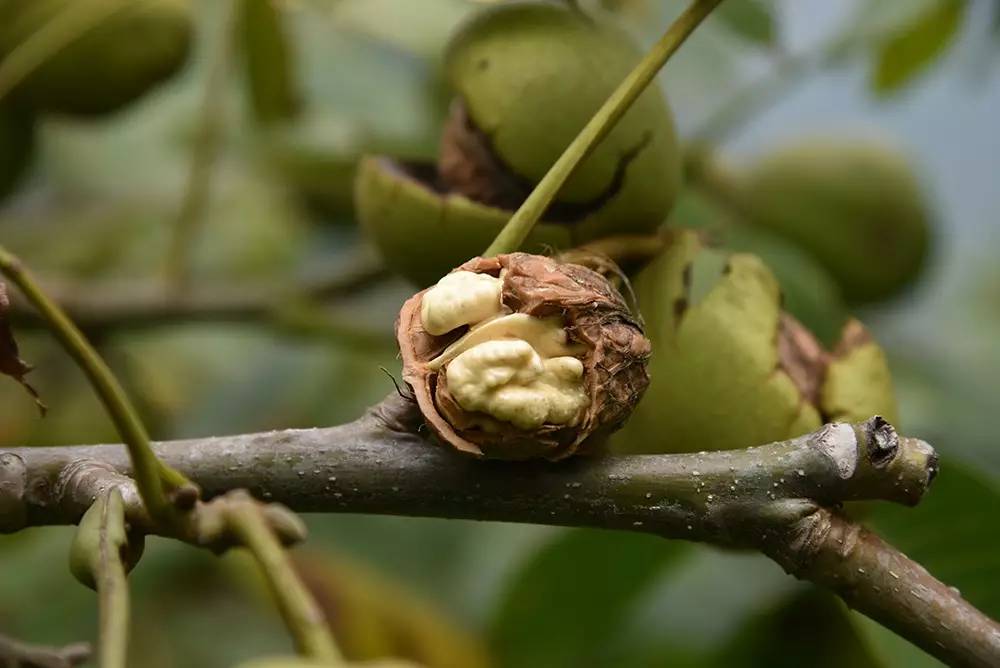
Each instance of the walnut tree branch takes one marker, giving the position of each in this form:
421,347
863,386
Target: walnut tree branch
17,654
98,307
773,498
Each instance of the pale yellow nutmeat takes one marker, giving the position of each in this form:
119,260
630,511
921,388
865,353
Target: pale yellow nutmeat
515,368
460,298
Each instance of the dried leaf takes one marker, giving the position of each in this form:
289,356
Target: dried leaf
11,363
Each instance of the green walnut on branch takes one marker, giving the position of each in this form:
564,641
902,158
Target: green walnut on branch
527,77
730,367
855,206
808,290
140,45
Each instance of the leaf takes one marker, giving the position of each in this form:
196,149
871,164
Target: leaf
11,363
948,533
749,19
889,647
809,629
570,599
916,45
268,60
374,617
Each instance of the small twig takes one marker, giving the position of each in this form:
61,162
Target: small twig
63,29
106,306
154,479
519,226
208,137
96,559
302,615
16,654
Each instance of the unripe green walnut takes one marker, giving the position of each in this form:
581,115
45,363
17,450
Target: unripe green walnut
528,76
808,291
856,207
108,66
730,369
17,140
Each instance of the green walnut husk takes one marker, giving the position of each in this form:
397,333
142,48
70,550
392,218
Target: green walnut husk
109,66
808,290
527,77
731,369
856,207
17,142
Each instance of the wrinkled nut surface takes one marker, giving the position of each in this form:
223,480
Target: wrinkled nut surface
520,357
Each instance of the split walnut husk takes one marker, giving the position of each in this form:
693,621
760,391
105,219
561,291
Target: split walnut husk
615,353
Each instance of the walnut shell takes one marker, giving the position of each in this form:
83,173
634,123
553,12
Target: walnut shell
596,316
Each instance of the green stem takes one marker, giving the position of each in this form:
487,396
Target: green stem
153,478
65,28
112,592
303,617
208,136
520,224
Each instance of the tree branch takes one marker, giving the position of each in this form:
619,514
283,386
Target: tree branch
773,498
101,306
16,654
98,560
302,615
875,578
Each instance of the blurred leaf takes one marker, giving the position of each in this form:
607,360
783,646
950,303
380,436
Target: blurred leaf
890,648
750,19
809,629
269,61
374,618
690,611
570,598
947,533
916,45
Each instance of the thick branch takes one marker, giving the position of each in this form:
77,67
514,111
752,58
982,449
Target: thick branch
381,464
878,580
768,498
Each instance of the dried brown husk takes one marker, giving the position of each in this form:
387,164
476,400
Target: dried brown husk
595,315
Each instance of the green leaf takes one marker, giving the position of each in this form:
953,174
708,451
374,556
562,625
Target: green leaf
949,534
892,649
809,629
916,45
749,19
567,603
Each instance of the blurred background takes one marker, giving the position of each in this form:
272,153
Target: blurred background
188,181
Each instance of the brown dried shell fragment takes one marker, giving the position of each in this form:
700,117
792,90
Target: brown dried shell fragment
595,315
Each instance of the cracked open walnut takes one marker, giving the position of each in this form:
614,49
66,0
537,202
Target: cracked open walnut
521,356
